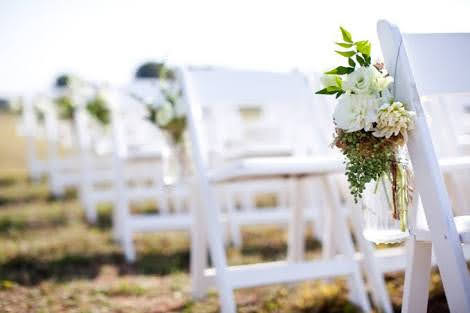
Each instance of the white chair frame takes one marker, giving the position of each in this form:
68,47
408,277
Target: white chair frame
208,219
409,58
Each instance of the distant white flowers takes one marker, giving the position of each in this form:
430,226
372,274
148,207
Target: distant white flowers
165,114
366,103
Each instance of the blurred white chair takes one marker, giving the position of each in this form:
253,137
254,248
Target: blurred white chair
137,176
241,126
63,167
449,121
32,128
427,64
281,87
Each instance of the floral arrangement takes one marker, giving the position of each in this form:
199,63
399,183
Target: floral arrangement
98,108
66,84
169,115
65,107
371,127
167,112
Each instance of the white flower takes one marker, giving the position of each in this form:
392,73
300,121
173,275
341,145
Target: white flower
386,96
356,112
393,119
165,114
359,82
380,81
330,81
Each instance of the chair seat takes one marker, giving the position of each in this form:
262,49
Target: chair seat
462,224
278,166
260,151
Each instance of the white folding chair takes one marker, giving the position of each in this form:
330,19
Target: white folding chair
243,127
31,129
95,149
63,169
137,176
208,218
426,64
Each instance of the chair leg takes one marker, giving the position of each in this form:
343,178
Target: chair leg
328,245
90,212
370,266
198,256
296,236
211,214
128,243
345,245
116,223
234,226
417,276
89,205
57,189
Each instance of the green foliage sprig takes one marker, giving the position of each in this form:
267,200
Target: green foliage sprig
357,55
177,125
65,107
367,157
98,108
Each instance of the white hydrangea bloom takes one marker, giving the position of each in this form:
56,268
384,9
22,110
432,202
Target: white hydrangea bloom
356,112
393,119
165,114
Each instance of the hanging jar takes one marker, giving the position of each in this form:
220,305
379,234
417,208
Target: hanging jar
176,159
386,203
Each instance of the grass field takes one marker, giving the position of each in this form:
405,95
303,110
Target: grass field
51,260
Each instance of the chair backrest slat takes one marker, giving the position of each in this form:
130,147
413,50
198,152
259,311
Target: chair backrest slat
439,62
284,102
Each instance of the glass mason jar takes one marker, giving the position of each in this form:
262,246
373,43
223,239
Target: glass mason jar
386,202
176,159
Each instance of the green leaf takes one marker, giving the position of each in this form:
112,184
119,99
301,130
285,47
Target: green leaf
363,47
325,91
351,62
339,82
346,54
339,94
329,90
341,70
346,35
345,45
360,60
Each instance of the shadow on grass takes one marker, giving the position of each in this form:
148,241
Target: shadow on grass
7,181
70,194
12,224
104,219
25,199
276,250
32,271
105,211
29,270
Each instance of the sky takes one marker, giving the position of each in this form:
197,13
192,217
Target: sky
105,40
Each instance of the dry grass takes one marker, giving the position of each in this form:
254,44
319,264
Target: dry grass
52,261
